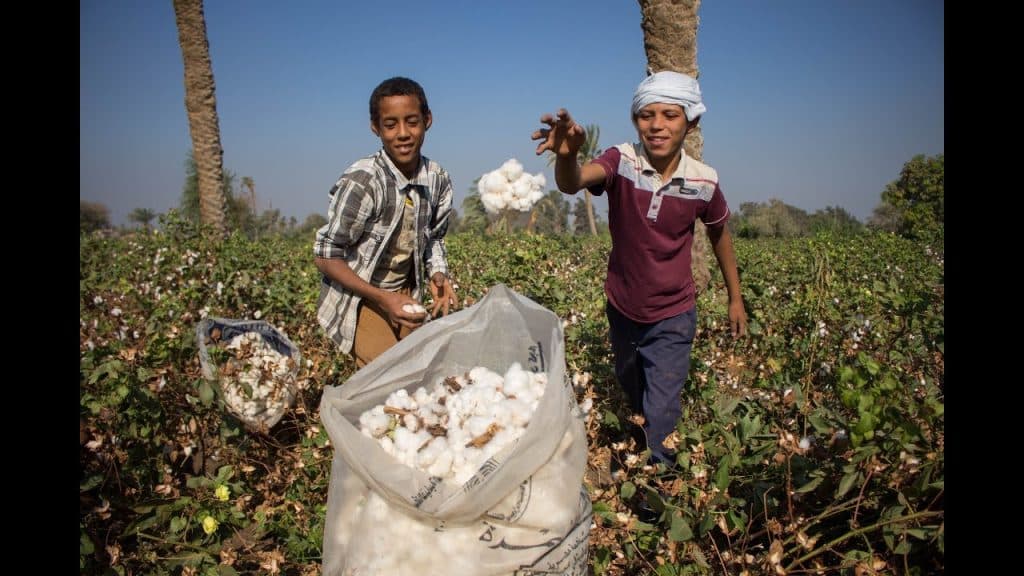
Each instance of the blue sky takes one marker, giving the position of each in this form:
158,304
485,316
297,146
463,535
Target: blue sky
814,102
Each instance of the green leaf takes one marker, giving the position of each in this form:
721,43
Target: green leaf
846,483
90,483
680,530
810,485
706,524
722,475
602,510
111,368
683,460
611,420
627,490
224,473
226,570
205,393
85,545
178,523
725,407
655,501
919,533
820,426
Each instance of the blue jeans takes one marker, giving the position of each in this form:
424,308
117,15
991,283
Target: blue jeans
652,363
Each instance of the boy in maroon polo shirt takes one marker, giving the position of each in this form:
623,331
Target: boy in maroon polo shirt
656,192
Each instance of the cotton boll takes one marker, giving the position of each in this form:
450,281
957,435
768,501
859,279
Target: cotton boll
492,203
521,187
517,381
442,465
519,412
428,455
400,399
501,440
512,169
411,421
490,183
478,425
478,373
406,440
421,396
376,423
500,412
587,405
539,181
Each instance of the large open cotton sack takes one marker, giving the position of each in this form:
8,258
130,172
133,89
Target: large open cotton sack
524,512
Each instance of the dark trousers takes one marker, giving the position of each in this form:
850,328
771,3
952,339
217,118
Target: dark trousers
652,362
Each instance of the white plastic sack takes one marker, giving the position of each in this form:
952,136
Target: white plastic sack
525,512
268,404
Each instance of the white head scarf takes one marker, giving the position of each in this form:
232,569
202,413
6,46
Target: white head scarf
669,87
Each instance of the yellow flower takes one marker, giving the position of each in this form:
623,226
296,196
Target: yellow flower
210,524
223,493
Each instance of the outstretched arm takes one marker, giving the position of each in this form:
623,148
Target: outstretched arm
721,242
564,137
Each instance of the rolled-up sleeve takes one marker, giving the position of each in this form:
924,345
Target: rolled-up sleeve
716,213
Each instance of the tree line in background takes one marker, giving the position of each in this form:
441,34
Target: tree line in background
240,212
913,206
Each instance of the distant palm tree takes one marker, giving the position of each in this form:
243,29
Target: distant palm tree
550,214
201,105
474,217
587,152
670,42
143,216
247,182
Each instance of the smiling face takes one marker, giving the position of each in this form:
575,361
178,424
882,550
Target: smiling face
662,128
402,128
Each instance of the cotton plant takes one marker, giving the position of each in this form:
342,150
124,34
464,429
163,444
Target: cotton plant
451,428
509,188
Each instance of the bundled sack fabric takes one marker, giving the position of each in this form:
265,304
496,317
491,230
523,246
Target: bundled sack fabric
262,406
524,512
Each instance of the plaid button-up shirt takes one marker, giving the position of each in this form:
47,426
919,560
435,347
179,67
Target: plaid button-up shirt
363,214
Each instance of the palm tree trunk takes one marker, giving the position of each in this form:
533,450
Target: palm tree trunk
590,213
201,105
670,42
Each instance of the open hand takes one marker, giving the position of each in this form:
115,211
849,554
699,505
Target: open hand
563,136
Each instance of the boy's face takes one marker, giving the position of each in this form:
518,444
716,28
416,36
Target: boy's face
401,129
661,128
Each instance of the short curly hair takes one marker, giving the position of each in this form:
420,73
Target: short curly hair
397,86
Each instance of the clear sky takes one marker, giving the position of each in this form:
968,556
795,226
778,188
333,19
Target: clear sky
814,102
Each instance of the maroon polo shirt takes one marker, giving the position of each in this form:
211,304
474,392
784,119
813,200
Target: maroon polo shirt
651,223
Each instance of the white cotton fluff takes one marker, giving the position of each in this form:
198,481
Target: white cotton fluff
414,308
510,188
263,382
400,399
450,431
512,169
374,422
